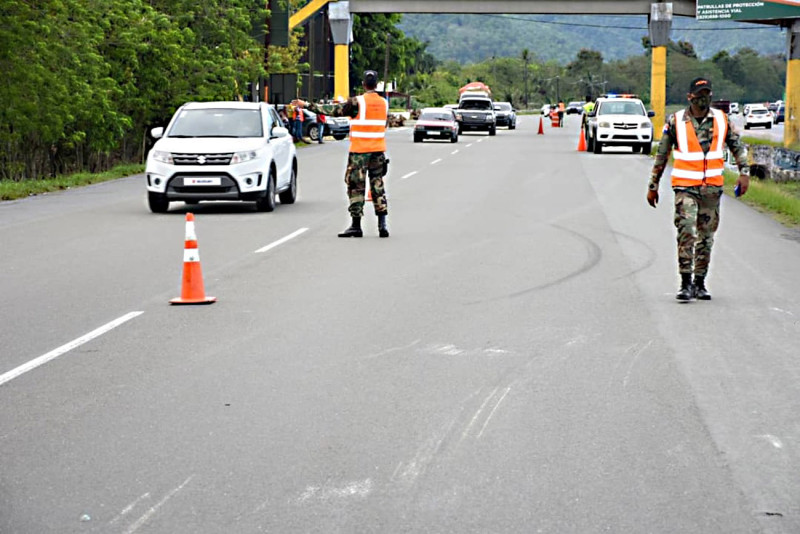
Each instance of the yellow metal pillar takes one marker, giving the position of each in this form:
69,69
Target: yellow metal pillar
791,129
658,89
341,67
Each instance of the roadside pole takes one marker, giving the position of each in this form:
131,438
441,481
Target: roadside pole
791,129
341,31
660,24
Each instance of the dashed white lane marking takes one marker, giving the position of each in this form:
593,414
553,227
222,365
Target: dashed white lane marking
125,511
354,489
148,514
492,412
781,311
282,240
434,162
409,175
454,152
469,145
43,359
480,140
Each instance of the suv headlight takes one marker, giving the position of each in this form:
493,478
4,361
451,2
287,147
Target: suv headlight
646,124
458,116
489,118
604,124
163,157
241,157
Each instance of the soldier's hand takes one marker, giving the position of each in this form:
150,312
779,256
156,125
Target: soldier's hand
743,183
652,198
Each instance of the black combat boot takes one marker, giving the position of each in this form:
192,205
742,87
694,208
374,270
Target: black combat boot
354,230
383,230
700,291
686,292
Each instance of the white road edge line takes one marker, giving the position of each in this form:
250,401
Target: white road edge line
409,175
282,240
434,162
53,354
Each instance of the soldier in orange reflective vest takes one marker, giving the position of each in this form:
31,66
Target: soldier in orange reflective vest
699,134
369,115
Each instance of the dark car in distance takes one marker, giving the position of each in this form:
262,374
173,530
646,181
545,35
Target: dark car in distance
505,114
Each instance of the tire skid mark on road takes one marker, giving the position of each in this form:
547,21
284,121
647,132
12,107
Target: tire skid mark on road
391,350
491,414
125,511
153,509
651,255
63,349
594,255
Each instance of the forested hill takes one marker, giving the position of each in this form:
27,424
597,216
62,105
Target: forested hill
474,38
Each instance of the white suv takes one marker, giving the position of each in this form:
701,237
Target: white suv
619,121
222,151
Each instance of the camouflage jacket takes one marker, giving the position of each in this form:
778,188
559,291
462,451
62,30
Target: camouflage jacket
704,128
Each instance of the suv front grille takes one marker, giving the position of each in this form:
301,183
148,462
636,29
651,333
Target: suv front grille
623,126
202,159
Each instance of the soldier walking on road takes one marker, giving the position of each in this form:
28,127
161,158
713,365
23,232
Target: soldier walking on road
369,117
699,134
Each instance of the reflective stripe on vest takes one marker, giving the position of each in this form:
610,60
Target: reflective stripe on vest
368,129
691,167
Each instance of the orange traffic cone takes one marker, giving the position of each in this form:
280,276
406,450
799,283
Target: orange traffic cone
541,130
582,143
192,291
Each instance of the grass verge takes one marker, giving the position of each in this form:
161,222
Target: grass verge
11,190
782,200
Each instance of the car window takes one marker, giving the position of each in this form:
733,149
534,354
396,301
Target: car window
436,116
620,108
275,118
502,107
475,104
758,111
221,122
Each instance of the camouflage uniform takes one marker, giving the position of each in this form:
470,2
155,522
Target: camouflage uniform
359,166
697,207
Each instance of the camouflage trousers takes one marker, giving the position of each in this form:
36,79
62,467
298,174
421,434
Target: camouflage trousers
358,167
696,218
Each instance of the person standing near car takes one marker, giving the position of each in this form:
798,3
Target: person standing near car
369,116
299,118
698,134
321,124
561,110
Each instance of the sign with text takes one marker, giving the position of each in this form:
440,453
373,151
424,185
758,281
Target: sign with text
731,10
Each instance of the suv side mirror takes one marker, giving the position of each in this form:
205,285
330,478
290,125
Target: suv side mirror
157,133
278,132
651,113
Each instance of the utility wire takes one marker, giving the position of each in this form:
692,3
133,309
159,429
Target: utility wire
555,22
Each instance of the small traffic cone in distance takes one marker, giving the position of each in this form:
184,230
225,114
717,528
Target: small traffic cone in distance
541,129
582,143
192,290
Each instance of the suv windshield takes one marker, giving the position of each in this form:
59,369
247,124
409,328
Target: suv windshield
474,103
217,123
436,116
620,108
502,106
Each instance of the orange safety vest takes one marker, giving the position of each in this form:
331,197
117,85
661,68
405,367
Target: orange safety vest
298,114
691,166
368,129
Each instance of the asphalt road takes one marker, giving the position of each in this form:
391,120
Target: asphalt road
512,359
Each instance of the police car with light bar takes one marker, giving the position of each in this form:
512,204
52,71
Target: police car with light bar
619,120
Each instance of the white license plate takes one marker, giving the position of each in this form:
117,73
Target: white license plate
202,181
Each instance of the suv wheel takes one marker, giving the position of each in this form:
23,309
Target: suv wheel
589,143
454,138
598,148
339,137
493,130
158,202
290,195
313,132
267,202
